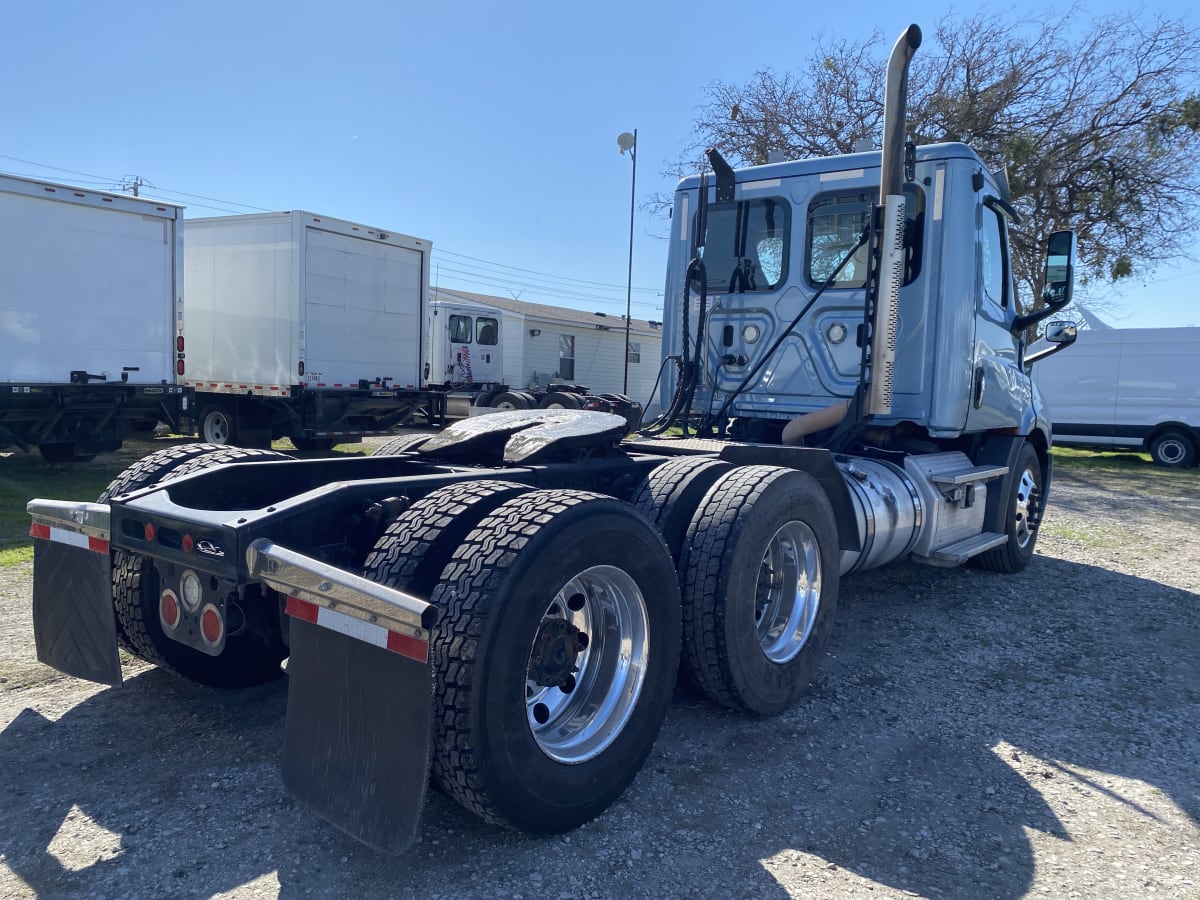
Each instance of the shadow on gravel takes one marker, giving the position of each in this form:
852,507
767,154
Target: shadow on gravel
922,760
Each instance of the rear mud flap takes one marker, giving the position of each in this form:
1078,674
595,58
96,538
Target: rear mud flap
360,693
74,626
357,742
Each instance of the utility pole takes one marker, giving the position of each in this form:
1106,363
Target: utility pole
627,141
133,183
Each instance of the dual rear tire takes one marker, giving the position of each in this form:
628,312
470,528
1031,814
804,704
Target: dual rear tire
555,657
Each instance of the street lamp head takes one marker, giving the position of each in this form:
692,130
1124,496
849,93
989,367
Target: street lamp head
627,141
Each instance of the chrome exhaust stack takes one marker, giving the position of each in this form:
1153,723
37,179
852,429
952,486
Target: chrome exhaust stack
889,241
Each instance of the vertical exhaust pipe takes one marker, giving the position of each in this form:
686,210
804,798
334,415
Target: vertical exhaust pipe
889,242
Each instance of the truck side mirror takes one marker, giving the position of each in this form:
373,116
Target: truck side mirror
1059,280
1058,336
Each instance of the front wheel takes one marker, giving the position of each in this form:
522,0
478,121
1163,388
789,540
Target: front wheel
1174,450
1025,501
555,658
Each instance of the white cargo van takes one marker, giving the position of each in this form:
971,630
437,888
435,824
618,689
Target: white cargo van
1127,389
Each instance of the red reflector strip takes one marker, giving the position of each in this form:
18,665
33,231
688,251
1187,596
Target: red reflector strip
62,536
413,648
301,610
377,635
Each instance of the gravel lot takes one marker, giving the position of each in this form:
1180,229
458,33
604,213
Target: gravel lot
970,735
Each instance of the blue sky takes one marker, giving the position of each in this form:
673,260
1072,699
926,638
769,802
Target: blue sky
489,129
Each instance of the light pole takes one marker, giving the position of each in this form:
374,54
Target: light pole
627,141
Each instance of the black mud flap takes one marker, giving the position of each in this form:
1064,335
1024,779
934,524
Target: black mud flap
74,626
360,693
359,722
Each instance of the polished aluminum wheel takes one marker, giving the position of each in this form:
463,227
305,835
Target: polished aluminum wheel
587,664
788,594
1028,511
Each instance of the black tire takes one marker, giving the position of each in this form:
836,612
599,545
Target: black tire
146,471
1173,449
313,445
530,400
402,444
154,468
218,424
248,658
537,567
512,400
61,453
1025,502
415,548
671,493
748,646
561,400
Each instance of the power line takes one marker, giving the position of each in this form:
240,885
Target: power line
491,273
544,274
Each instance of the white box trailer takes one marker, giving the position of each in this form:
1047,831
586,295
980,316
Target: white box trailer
1127,389
305,326
90,305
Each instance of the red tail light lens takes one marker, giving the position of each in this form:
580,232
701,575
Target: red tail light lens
179,367
179,343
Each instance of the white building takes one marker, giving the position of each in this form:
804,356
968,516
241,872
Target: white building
543,342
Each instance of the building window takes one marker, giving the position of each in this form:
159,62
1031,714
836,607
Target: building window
566,357
486,331
460,329
635,352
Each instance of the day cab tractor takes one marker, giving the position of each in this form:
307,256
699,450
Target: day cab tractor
504,607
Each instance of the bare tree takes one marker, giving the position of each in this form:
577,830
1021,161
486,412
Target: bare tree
1098,133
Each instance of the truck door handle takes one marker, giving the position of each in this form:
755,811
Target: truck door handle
980,384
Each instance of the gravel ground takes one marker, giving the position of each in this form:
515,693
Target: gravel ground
970,735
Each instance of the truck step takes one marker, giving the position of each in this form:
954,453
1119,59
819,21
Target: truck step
972,475
960,551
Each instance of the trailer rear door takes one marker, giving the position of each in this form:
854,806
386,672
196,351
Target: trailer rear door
86,287
362,309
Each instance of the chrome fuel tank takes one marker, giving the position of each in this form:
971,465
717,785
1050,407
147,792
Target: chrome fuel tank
887,510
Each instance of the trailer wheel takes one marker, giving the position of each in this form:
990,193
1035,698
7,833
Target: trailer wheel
217,424
1173,449
670,494
313,445
760,585
1025,503
248,658
402,444
511,400
554,660
561,400
63,452
412,552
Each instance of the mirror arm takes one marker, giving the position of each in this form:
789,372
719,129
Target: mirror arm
1020,323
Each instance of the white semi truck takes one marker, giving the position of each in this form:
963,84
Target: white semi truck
502,606
466,352
91,293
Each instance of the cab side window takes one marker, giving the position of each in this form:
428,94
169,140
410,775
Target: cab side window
460,329
993,274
